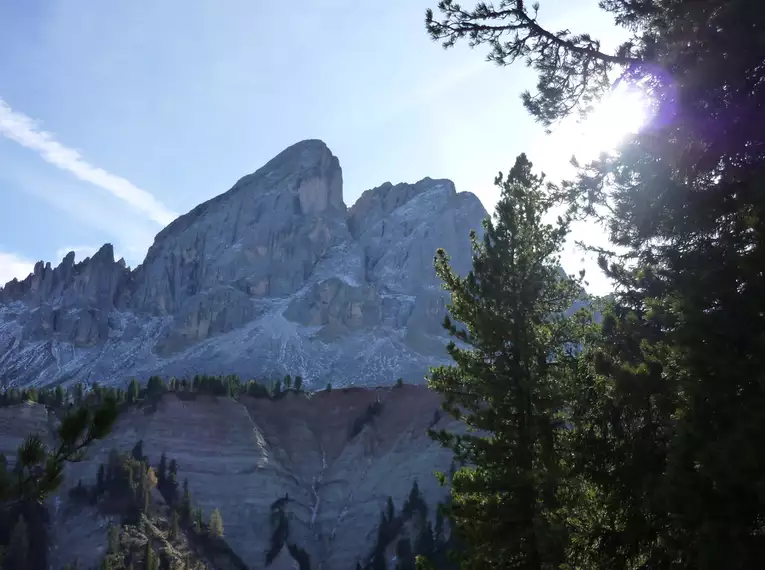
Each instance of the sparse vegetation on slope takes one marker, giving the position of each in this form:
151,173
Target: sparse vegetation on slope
409,534
373,410
169,534
102,493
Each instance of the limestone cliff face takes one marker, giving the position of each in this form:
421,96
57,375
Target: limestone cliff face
241,456
275,276
262,237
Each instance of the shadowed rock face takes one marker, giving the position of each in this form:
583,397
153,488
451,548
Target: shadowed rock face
241,456
275,276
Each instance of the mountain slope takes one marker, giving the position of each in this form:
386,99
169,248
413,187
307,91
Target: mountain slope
274,276
333,462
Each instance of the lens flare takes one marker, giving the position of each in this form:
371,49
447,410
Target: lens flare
619,114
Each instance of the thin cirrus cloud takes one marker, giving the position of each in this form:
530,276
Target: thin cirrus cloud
18,127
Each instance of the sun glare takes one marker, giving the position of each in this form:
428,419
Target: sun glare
623,112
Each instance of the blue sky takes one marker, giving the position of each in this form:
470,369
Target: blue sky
117,115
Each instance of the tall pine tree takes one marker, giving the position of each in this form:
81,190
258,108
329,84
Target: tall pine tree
513,356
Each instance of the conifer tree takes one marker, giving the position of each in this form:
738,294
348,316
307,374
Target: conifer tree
78,394
155,386
131,484
162,469
173,473
509,381
174,528
134,391
438,531
141,492
96,391
186,502
672,393
414,501
137,451
382,531
151,477
38,469
216,524
199,522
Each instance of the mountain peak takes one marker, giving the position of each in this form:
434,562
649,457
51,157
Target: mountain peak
273,276
300,162
305,149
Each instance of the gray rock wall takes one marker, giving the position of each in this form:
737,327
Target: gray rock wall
275,276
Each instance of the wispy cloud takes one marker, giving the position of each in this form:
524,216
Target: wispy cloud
19,128
13,265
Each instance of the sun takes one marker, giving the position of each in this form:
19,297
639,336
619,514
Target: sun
620,113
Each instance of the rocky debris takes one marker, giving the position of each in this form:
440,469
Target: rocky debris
274,277
333,463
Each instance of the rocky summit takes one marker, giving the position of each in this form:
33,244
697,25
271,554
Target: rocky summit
275,276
